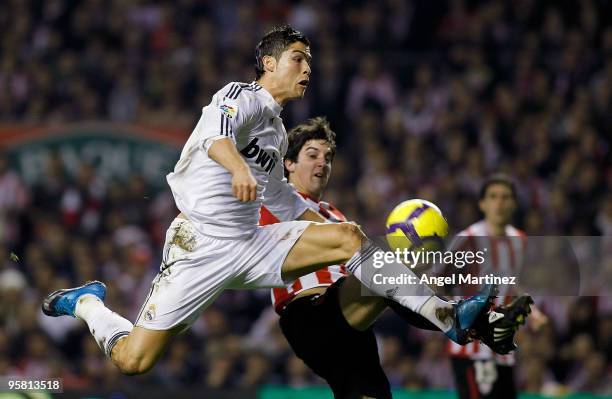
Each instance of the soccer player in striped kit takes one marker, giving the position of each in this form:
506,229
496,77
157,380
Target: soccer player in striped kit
323,315
479,371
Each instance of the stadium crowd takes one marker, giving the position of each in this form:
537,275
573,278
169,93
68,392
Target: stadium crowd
427,99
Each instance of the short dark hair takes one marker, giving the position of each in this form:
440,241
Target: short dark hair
316,128
274,43
498,178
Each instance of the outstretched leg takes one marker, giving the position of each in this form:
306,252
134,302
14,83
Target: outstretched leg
327,244
134,350
496,328
359,311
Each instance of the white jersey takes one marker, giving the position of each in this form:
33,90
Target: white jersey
202,189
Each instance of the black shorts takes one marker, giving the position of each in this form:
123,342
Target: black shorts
483,379
346,358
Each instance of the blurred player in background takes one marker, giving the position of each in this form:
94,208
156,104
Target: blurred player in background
232,164
478,371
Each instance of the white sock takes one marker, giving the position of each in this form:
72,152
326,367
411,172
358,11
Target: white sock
106,326
434,309
415,296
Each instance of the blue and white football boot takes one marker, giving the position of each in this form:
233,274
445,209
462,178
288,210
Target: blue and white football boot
63,302
466,311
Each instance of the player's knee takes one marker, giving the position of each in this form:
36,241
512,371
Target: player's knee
352,238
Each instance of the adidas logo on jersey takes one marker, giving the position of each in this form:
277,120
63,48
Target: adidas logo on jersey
263,158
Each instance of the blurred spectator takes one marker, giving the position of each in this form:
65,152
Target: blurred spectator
370,87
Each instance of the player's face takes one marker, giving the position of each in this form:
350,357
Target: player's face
498,204
310,173
292,72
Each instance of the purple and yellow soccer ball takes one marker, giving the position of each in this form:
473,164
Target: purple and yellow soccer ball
416,225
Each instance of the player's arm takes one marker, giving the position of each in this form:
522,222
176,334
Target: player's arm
228,115
224,152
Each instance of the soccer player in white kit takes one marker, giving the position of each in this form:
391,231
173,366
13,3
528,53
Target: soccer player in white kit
230,166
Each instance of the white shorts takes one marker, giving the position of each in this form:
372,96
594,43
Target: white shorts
196,268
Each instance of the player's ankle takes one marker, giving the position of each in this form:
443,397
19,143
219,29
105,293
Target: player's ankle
85,305
439,312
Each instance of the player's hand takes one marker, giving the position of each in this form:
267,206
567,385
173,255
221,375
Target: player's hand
538,319
244,185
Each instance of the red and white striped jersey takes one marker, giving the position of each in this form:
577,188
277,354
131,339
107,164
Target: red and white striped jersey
321,278
504,257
